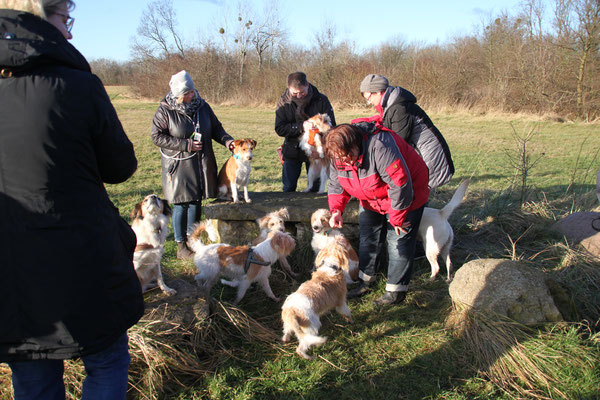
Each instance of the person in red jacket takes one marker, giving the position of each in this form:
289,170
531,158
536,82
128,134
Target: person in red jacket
390,179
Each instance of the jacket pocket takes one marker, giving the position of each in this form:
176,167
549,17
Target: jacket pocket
291,150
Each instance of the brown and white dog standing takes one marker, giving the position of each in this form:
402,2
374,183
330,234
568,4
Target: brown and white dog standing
312,144
324,291
151,227
274,222
323,235
436,233
236,171
241,264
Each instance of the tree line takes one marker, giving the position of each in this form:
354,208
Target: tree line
526,62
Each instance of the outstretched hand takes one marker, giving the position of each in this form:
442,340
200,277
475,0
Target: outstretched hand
336,219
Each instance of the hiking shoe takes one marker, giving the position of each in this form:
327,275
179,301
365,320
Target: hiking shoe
183,252
390,298
362,288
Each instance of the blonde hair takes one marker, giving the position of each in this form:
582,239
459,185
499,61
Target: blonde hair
41,8
31,6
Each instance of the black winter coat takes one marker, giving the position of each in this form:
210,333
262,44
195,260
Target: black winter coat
291,129
181,177
400,113
67,283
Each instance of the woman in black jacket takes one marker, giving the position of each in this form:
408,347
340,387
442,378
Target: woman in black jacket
183,127
67,280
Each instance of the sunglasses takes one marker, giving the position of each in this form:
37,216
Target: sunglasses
68,20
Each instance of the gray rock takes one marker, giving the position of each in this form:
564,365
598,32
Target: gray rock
300,207
236,223
582,228
507,288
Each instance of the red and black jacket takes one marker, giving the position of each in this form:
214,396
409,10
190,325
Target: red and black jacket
389,177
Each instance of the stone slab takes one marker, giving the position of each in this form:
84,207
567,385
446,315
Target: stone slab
300,207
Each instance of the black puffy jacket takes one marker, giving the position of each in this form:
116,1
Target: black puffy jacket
288,127
67,283
400,113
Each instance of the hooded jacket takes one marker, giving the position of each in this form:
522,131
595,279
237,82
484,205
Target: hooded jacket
389,177
67,280
399,112
187,176
288,127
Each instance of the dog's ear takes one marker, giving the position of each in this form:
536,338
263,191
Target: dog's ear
262,222
252,143
283,213
166,207
137,211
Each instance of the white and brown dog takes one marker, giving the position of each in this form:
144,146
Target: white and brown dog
151,227
324,291
241,264
274,222
236,171
312,143
436,233
323,235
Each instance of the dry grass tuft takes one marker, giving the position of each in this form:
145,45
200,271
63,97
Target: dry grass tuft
516,359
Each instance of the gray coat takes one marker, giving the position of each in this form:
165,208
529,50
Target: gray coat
187,176
401,114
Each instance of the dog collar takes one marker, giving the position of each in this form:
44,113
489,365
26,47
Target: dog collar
236,156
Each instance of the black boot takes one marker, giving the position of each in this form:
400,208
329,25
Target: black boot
390,298
183,252
362,288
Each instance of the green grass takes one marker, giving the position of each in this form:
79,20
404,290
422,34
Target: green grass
403,352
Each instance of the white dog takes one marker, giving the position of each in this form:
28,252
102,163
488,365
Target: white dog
242,264
151,227
312,144
324,291
437,234
274,222
323,235
236,171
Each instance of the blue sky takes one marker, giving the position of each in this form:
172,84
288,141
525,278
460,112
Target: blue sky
104,28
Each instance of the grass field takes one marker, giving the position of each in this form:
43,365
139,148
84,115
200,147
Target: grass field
408,351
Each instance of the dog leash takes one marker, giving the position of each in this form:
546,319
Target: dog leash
251,260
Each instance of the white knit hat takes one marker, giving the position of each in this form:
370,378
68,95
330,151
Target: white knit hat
180,83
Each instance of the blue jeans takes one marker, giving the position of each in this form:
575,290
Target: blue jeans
291,172
107,374
375,231
185,216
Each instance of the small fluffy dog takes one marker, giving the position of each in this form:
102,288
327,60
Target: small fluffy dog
437,234
274,222
242,264
236,171
312,144
151,227
323,235
324,291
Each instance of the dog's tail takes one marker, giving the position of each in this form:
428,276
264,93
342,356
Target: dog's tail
457,198
204,230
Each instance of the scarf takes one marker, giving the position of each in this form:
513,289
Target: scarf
301,104
190,108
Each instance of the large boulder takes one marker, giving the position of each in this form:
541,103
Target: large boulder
507,288
582,228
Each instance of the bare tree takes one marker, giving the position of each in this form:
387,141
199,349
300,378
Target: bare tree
268,32
157,32
578,28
